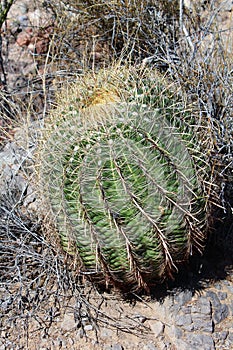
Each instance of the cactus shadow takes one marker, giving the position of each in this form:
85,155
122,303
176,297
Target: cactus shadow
202,271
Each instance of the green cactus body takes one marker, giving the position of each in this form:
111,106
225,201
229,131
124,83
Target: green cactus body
125,193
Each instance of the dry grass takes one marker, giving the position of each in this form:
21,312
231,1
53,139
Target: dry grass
98,32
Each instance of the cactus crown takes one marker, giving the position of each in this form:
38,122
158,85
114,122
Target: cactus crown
123,181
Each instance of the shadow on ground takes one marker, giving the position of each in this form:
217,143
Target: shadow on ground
214,265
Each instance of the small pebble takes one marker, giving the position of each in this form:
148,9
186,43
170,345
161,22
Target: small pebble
23,21
88,327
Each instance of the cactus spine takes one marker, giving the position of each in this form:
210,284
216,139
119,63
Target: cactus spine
123,184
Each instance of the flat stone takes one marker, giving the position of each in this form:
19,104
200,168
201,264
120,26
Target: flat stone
202,306
203,325
201,341
220,313
183,320
68,322
157,327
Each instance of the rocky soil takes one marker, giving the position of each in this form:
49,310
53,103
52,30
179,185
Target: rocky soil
182,322
197,316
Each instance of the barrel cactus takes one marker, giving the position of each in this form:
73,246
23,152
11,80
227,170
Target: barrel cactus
124,180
